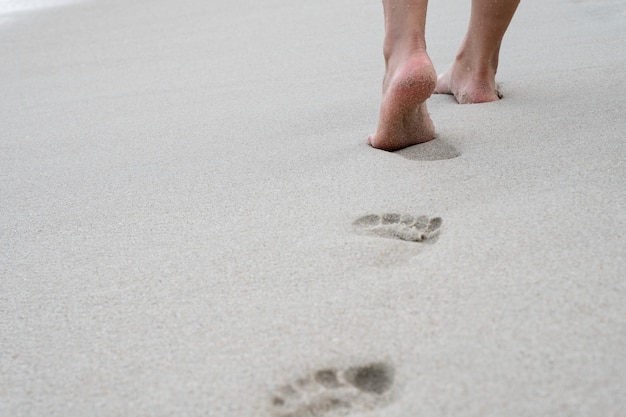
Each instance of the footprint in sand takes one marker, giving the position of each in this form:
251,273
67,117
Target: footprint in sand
330,392
434,150
400,226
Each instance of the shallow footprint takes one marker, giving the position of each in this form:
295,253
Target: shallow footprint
400,226
433,150
330,392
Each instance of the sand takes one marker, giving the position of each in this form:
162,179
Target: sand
179,183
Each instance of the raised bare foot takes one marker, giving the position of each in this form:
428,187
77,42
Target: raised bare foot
468,86
404,119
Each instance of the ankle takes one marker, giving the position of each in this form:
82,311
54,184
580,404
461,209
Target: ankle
468,71
403,46
479,64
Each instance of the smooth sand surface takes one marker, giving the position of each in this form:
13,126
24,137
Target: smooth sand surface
178,186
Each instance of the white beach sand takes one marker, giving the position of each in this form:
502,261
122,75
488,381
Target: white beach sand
178,182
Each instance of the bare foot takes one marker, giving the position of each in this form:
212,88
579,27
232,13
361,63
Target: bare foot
467,86
404,119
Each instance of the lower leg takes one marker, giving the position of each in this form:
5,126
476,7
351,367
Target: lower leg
472,76
409,78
